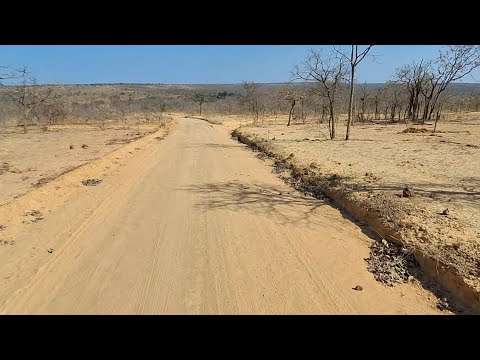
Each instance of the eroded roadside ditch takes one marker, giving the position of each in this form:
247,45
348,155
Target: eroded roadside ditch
392,259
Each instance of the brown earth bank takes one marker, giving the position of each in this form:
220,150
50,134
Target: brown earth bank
29,160
190,223
439,223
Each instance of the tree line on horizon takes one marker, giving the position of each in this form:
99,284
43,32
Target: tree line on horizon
322,88
417,93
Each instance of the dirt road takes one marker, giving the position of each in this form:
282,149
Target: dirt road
194,224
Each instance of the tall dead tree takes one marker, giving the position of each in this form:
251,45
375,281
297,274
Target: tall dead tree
328,71
355,56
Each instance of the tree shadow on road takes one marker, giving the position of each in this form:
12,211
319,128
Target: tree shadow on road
288,206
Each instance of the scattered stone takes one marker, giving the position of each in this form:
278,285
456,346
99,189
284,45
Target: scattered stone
358,288
273,138
71,146
261,156
91,182
407,192
84,146
50,250
34,213
445,212
7,242
442,304
3,227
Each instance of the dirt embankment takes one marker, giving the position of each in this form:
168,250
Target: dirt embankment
437,224
62,188
28,161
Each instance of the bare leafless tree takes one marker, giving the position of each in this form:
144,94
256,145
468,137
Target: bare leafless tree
302,98
276,98
55,109
364,96
414,77
27,95
252,98
103,112
328,71
453,63
355,56
291,97
378,97
199,98
393,99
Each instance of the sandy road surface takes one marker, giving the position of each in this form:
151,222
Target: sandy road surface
195,224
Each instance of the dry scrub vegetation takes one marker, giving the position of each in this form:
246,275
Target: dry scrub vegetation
48,130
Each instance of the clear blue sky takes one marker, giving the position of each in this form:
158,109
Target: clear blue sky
191,63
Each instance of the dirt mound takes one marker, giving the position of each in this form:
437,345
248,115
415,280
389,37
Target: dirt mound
33,213
412,130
